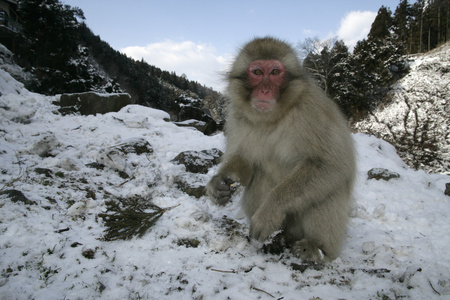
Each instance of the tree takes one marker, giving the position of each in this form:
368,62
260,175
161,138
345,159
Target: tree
430,21
51,44
319,60
382,25
342,84
402,23
330,63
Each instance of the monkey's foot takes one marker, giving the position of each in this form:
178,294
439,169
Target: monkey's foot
277,244
307,251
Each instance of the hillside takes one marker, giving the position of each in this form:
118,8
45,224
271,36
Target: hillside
60,54
417,118
147,84
63,178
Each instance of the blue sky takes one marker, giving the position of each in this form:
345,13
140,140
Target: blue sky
199,38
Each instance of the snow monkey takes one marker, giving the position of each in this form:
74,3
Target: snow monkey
288,144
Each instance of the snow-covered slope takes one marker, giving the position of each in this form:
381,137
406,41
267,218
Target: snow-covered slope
51,246
417,120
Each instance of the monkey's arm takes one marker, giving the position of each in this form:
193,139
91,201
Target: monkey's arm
233,169
309,184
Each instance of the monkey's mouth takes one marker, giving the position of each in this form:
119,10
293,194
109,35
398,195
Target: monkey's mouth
263,105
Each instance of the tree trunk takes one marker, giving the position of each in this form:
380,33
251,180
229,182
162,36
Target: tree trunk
421,31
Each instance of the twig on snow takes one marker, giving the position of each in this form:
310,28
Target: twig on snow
263,291
429,281
225,271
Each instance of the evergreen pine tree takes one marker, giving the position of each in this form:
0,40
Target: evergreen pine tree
382,25
52,45
402,23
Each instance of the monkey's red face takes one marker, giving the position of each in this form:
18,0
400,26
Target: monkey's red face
266,78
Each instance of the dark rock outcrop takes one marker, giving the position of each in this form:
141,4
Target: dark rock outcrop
91,103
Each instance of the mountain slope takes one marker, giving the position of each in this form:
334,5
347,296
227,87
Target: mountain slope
417,119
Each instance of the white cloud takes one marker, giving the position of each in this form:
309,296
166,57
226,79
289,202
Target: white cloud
198,61
308,32
355,26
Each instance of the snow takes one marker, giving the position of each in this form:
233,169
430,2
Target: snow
417,118
396,245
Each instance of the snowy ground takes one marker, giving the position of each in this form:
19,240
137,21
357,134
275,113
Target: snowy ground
397,243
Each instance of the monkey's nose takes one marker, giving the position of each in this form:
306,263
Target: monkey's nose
265,90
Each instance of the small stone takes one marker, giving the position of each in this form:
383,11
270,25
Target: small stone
96,165
188,242
368,247
88,253
379,211
380,173
43,171
45,146
69,164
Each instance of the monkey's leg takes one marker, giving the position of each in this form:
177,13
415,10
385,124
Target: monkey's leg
324,229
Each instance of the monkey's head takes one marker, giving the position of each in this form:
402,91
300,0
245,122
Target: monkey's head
263,75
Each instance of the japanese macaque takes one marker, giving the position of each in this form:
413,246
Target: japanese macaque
288,144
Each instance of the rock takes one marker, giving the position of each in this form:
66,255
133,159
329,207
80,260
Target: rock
197,118
75,244
199,161
46,146
447,189
199,125
44,171
195,188
360,212
17,196
91,103
69,164
368,247
188,242
379,211
88,253
201,216
137,145
189,112
95,165
380,173
82,207
115,157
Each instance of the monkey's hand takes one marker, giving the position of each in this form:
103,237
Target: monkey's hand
266,220
220,189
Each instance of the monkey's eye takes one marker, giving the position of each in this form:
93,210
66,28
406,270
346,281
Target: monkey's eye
257,72
275,72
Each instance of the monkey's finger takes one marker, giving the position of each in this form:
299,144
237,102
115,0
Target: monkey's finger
223,186
223,194
220,197
223,200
